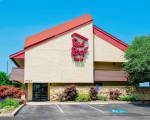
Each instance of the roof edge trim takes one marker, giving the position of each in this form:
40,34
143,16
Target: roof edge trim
17,54
110,38
88,22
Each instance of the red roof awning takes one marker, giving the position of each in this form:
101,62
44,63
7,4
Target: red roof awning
19,54
57,30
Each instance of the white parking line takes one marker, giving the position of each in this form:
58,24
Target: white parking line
95,108
59,108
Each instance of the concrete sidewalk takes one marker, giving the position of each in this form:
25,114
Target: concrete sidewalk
91,102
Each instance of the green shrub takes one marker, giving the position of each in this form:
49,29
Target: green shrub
103,98
82,97
93,93
4,79
70,93
114,94
9,108
9,102
127,98
10,92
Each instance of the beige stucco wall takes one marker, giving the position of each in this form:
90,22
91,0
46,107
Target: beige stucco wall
104,51
51,61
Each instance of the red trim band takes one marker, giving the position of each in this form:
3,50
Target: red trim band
19,54
109,38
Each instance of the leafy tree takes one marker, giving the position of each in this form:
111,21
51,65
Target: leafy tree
138,60
4,79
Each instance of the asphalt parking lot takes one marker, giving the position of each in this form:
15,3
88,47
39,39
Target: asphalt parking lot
84,112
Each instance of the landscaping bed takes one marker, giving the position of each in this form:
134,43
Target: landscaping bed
10,100
72,94
9,106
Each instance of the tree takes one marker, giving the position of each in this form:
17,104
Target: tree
138,60
4,79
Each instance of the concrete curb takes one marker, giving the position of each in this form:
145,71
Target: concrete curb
13,113
17,110
76,103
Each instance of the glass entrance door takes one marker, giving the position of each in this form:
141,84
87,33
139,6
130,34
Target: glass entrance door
40,91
